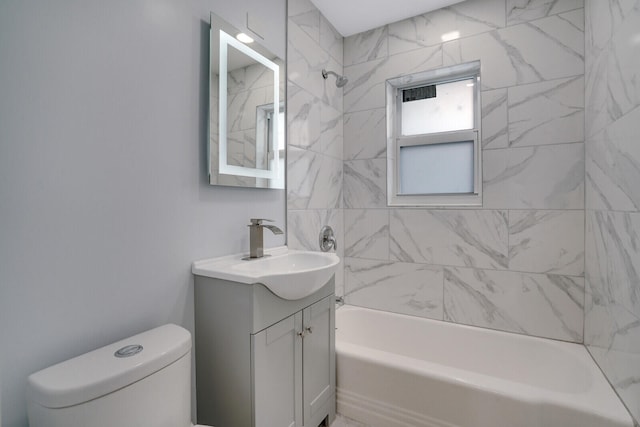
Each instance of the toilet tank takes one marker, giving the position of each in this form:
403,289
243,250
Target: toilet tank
142,381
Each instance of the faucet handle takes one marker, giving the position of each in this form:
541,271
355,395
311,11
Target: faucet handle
258,221
327,239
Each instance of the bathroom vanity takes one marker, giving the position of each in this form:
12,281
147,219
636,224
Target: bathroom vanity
262,360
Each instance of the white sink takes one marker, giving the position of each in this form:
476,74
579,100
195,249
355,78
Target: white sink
287,273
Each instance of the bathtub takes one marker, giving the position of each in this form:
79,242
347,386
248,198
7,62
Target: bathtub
395,370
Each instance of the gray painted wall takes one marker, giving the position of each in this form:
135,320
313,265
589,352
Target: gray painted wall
104,201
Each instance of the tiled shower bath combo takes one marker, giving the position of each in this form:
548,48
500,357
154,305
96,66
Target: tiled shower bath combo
552,252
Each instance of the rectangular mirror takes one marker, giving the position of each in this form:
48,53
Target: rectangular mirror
246,111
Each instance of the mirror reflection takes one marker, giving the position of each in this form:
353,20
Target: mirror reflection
246,121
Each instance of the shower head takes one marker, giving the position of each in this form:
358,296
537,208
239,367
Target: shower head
340,80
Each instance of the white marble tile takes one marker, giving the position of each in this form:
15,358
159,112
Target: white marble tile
466,18
612,318
545,49
528,10
495,130
332,94
331,129
602,19
452,54
543,177
549,112
473,238
314,181
575,17
241,108
612,308
309,22
315,141
601,108
303,228
410,240
613,76
303,171
329,194
365,184
547,242
366,233
331,40
365,134
612,245
235,149
297,7
305,61
241,148
413,289
613,166
621,365
250,77
366,46
303,116
611,329
549,306
366,89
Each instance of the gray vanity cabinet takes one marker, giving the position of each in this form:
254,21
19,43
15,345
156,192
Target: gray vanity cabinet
293,368
277,374
262,361
318,359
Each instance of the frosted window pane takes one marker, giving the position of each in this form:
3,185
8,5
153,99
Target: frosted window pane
437,168
451,109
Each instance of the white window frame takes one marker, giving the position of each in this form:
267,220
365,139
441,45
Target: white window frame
395,140
264,131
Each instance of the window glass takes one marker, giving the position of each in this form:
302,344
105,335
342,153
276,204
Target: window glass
437,168
433,146
438,108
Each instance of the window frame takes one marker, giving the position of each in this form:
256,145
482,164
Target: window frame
264,133
395,140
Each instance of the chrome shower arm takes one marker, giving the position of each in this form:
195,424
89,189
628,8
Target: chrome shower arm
326,73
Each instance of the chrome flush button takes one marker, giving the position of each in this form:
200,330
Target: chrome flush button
128,350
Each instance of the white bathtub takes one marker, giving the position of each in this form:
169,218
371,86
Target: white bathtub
395,370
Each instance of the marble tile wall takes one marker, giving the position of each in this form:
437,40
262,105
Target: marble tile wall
315,130
517,264
612,239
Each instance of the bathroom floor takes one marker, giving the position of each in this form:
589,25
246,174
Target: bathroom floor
341,421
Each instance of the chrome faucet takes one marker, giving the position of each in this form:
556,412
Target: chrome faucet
256,242
327,239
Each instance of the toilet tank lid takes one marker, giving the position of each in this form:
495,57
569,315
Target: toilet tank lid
101,372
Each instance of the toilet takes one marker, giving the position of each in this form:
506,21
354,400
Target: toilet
142,381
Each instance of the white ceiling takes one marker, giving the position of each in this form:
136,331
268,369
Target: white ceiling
354,16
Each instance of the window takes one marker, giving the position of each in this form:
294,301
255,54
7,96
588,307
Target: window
265,146
433,149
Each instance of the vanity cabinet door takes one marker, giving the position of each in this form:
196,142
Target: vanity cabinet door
277,374
318,359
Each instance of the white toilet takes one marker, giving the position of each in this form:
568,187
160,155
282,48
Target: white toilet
142,381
